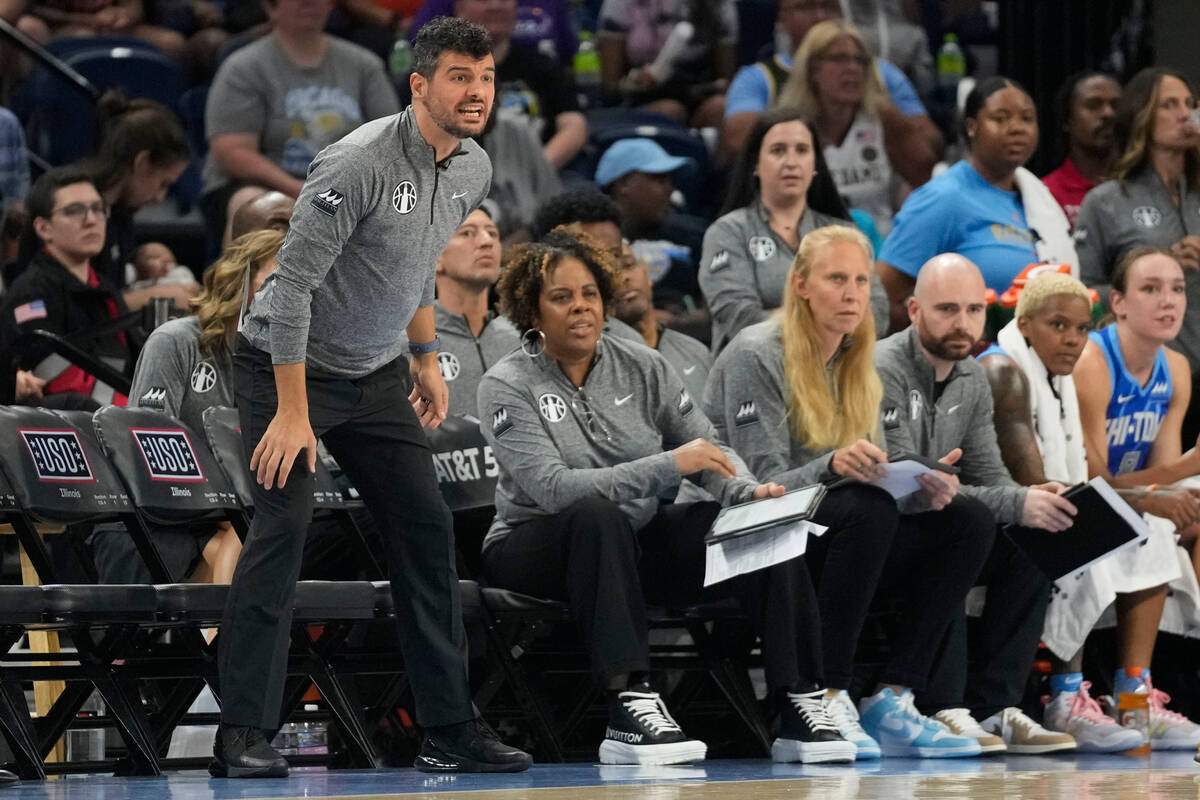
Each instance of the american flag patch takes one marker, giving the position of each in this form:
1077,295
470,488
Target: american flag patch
35,309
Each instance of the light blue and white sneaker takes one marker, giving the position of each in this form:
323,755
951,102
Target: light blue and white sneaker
841,710
901,730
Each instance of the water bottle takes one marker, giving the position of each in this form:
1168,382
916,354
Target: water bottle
287,741
313,739
400,59
951,65
1133,711
87,744
587,71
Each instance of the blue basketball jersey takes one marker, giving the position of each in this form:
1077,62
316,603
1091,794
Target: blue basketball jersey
1135,412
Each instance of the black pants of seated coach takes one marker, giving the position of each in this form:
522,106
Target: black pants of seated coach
370,428
590,556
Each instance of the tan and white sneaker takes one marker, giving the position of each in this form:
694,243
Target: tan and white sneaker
960,722
1022,735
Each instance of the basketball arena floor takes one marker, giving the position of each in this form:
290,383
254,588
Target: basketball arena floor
1161,775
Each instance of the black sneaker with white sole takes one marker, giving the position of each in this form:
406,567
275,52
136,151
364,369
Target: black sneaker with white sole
642,731
807,733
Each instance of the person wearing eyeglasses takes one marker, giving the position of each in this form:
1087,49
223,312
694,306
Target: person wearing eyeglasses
60,292
589,431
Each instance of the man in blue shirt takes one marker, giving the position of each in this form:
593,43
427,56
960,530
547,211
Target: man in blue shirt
755,86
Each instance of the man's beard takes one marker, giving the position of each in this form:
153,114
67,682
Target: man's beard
460,132
942,347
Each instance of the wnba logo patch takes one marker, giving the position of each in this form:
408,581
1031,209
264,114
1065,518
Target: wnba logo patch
168,453
58,456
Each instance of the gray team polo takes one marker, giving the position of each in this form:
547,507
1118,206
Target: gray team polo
557,444
744,267
1118,216
690,358
358,260
174,376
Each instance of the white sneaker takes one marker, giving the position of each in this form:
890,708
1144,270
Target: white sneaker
1169,730
1022,735
843,713
960,722
1078,714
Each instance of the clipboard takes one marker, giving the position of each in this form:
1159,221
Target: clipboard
1104,523
798,505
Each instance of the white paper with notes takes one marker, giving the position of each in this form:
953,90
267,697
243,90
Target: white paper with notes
741,554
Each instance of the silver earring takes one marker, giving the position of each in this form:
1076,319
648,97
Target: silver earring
533,346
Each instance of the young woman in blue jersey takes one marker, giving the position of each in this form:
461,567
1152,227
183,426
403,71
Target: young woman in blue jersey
1131,414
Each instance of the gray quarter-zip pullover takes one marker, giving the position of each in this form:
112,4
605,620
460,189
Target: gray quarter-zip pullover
914,422
690,358
1118,216
556,444
744,267
358,260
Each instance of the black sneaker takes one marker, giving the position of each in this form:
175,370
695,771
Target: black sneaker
8,778
470,746
807,733
241,752
642,731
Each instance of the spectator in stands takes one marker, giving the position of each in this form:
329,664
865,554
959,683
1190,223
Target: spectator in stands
637,68
143,150
987,207
44,19
271,210
588,433
637,175
521,176
937,399
633,304
755,88
833,86
529,83
1085,108
798,397
594,214
781,190
373,24
1152,198
1040,433
473,337
543,25
14,181
1131,416
277,102
61,293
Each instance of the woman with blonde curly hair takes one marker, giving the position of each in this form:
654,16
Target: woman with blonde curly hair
186,366
589,432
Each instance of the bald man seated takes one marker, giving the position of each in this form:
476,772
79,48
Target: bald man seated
937,399
270,210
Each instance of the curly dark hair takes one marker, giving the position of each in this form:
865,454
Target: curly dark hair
578,205
526,268
448,35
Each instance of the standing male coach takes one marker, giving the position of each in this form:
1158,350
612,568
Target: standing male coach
320,352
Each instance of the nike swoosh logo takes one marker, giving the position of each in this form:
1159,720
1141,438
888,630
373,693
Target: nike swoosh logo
953,408
623,400
899,728
457,195
1124,398
689,370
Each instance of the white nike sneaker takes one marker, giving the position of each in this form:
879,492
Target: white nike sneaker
843,713
960,722
901,730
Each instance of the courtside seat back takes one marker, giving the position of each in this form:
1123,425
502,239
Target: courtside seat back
56,471
171,474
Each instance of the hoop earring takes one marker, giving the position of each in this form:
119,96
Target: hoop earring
533,346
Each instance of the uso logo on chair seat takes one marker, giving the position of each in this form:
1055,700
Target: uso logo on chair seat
57,455
168,453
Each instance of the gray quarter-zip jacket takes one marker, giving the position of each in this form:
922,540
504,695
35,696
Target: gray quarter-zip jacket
551,456
962,417
374,214
690,358
744,266
1118,216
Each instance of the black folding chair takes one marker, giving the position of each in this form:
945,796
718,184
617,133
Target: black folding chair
58,476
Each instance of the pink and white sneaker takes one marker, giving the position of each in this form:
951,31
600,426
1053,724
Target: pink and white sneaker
1078,714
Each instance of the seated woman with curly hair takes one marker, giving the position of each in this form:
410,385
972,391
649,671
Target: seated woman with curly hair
588,433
